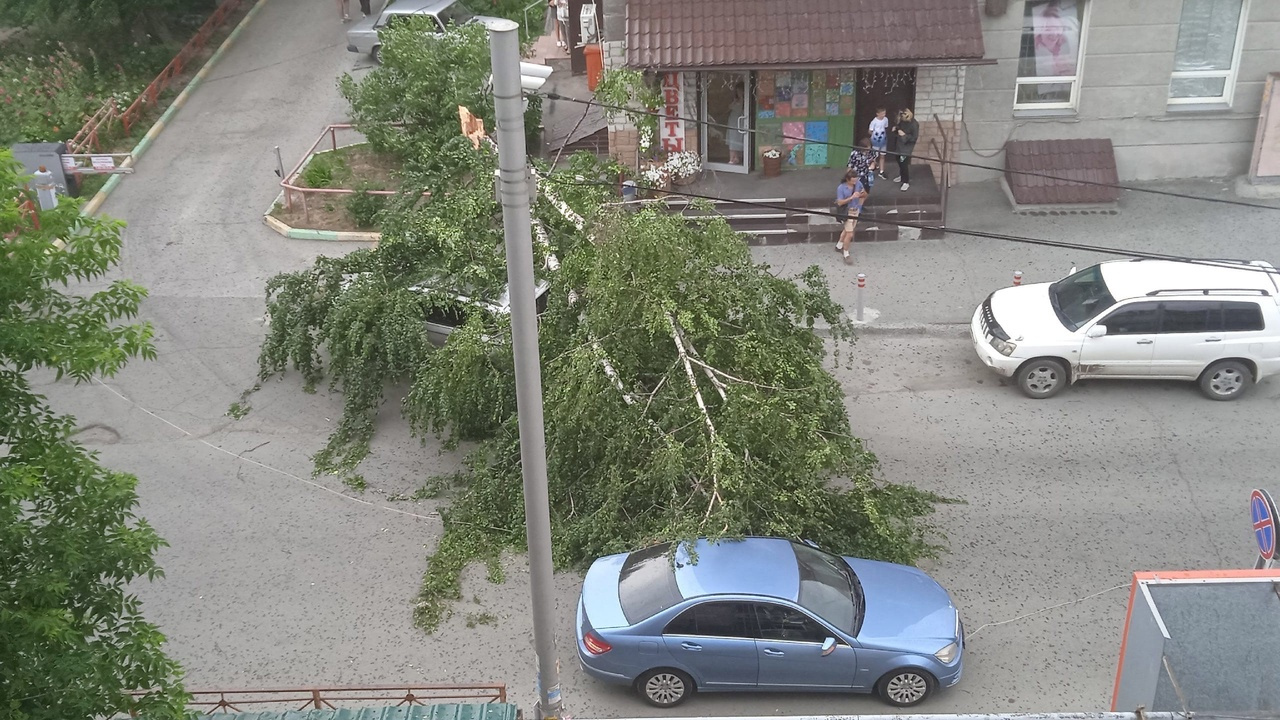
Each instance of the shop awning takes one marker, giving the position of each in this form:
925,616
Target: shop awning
742,34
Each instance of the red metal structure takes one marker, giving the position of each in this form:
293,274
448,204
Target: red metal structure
219,701
88,138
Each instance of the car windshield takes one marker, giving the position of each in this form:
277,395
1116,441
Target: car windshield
829,588
455,14
647,583
1079,298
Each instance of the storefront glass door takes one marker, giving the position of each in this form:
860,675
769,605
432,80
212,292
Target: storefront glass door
726,102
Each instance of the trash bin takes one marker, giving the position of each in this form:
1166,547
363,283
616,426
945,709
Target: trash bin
595,65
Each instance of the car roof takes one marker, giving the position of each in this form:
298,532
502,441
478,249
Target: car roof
1127,279
754,566
405,7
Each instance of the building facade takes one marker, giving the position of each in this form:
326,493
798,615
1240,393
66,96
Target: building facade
1176,85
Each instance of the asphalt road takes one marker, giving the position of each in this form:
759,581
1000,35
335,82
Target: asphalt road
275,579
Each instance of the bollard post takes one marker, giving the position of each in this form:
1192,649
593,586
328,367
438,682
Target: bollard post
862,283
1017,278
46,192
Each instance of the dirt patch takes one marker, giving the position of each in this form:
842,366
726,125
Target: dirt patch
347,168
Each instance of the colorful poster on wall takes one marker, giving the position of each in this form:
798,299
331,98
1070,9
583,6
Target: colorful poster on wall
672,130
815,154
792,133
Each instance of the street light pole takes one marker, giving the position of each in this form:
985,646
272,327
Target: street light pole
513,169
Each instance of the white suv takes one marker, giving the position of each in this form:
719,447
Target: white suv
1216,322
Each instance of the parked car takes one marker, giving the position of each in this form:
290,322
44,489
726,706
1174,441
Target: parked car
440,322
363,36
765,614
1214,322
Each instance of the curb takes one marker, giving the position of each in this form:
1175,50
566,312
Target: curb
304,234
96,202
957,329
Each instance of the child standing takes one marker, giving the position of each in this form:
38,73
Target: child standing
880,136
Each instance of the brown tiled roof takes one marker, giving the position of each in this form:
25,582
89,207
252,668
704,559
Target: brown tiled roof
755,33
1088,160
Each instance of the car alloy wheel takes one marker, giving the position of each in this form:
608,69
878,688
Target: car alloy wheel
665,688
906,687
1226,380
377,54
1042,378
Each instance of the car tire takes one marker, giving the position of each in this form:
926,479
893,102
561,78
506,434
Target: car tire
377,54
906,687
1226,380
1042,378
664,687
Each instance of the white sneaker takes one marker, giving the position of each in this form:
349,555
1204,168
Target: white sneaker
905,186
839,246
898,179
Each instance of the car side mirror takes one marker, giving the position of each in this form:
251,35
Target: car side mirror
828,646
1097,331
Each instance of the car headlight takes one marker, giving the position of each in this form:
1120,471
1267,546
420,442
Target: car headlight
1004,347
947,654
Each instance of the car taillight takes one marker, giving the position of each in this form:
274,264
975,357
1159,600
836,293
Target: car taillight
595,645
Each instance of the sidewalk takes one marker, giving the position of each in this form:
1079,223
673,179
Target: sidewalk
910,282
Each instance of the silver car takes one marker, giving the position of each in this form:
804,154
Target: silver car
363,36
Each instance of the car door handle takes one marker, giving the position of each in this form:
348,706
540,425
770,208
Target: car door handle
1213,339
1145,342
690,646
773,653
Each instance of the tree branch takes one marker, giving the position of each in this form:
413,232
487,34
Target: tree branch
677,336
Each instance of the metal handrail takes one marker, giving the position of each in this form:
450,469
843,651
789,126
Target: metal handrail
524,29
325,698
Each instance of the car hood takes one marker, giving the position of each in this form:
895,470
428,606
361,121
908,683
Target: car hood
1025,312
903,604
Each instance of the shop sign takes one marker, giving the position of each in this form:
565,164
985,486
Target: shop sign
672,130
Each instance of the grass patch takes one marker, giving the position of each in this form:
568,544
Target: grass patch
354,167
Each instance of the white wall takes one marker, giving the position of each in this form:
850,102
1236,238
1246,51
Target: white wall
1128,59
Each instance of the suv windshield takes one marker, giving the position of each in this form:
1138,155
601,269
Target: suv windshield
1080,297
455,14
829,588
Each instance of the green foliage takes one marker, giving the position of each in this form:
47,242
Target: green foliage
319,171
365,207
626,88
73,642
727,422
43,99
408,106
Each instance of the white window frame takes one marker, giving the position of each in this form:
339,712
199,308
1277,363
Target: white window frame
1228,75
1074,80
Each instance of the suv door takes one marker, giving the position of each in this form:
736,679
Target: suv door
1127,348
790,652
716,640
1190,338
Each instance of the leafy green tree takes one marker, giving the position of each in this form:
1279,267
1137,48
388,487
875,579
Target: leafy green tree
685,392
83,16
408,106
73,642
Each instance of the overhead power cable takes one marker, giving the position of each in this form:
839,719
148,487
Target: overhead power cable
957,163
1020,239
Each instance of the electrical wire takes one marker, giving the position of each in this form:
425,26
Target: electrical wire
1020,239
957,163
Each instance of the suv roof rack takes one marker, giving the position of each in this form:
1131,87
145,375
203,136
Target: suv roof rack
1206,291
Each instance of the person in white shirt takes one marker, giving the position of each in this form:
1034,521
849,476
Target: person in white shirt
880,137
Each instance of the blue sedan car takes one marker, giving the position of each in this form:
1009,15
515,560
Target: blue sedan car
766,614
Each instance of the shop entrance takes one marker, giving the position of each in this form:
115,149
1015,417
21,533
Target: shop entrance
726,132
889,88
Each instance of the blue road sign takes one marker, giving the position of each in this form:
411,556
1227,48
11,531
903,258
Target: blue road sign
1262,511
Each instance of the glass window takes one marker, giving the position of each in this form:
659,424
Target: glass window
1242,317
1206,56
455,14
828,587
778,622
1188,317
714,619
1079,298
1049,58
453,316
647,583
1136,319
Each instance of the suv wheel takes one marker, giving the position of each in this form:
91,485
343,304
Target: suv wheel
664,687
1226,380
906,687
1042,378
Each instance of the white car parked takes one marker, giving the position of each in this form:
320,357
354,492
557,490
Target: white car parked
1215,322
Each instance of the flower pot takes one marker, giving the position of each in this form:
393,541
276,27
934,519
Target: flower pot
772,166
